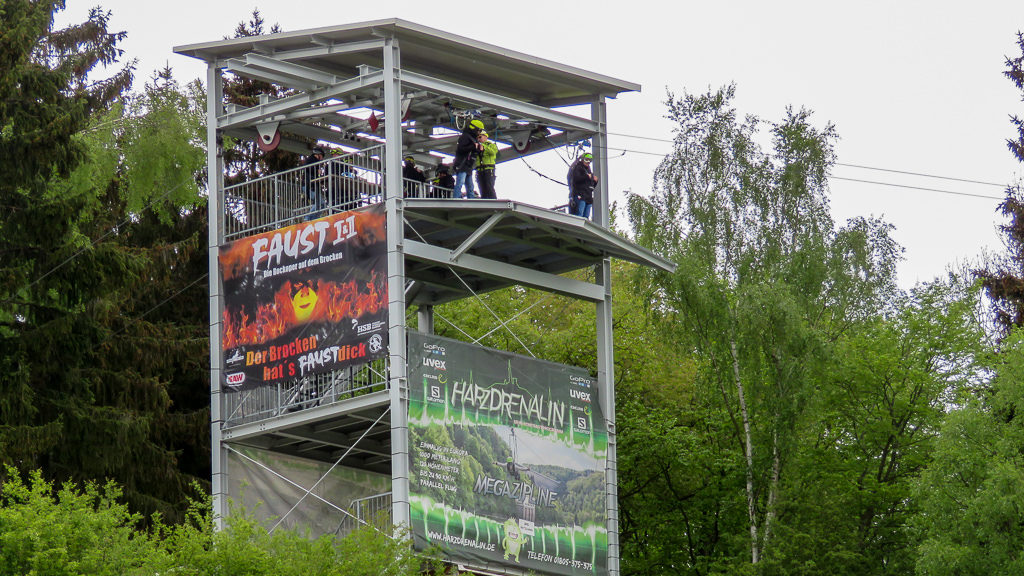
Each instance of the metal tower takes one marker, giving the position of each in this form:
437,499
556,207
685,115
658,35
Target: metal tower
377,92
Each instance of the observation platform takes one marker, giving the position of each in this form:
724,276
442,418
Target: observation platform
454,248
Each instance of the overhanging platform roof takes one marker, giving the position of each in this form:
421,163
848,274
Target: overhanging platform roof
341,49
456,247
327,432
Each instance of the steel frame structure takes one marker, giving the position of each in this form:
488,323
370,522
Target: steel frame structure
438,251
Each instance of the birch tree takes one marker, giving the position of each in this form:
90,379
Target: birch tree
765,278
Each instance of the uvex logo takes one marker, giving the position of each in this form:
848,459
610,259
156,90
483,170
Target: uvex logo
434,363
585,396
236,378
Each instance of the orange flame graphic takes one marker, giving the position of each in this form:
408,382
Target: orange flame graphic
337,302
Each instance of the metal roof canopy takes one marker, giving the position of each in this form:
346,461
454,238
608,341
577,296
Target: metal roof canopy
486,245
338,68
426,50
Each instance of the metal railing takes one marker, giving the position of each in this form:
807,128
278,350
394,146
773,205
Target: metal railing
416,189
331,185
270,400
369,511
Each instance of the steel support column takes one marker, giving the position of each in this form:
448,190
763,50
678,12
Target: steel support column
425,319
215,207
397,378
599,114
605,341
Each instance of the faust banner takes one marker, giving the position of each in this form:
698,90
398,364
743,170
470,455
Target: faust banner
507,459
305,299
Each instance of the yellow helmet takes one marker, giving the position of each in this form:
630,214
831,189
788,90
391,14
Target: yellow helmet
476,124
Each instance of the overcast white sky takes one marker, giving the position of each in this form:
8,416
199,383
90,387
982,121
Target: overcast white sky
914,86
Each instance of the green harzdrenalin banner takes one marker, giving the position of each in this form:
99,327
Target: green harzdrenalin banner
507,459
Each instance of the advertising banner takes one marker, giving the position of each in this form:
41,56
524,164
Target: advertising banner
507,459
305,299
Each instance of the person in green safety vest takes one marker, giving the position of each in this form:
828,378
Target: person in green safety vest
485,169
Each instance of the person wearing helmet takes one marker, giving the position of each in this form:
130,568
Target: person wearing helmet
466,151
581,185
485,170
413,178
443,183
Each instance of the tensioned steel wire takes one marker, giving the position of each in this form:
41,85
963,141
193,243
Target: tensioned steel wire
501,322
300,487
331,469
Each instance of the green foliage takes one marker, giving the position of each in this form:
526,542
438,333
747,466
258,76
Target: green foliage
45,90
879,407
69,532
1003,275
532,322
496,320
87,532
100,228
973,493
680,489
162,137
971,496
765,284
45,98
245,546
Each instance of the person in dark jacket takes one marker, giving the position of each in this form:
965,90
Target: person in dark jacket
466,151
413,179
310,188
581,186
443,183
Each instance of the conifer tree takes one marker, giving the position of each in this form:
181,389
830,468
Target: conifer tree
1003,278
244,160
99,229
46,97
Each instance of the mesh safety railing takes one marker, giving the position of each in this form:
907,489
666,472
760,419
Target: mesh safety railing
271,400
335,184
